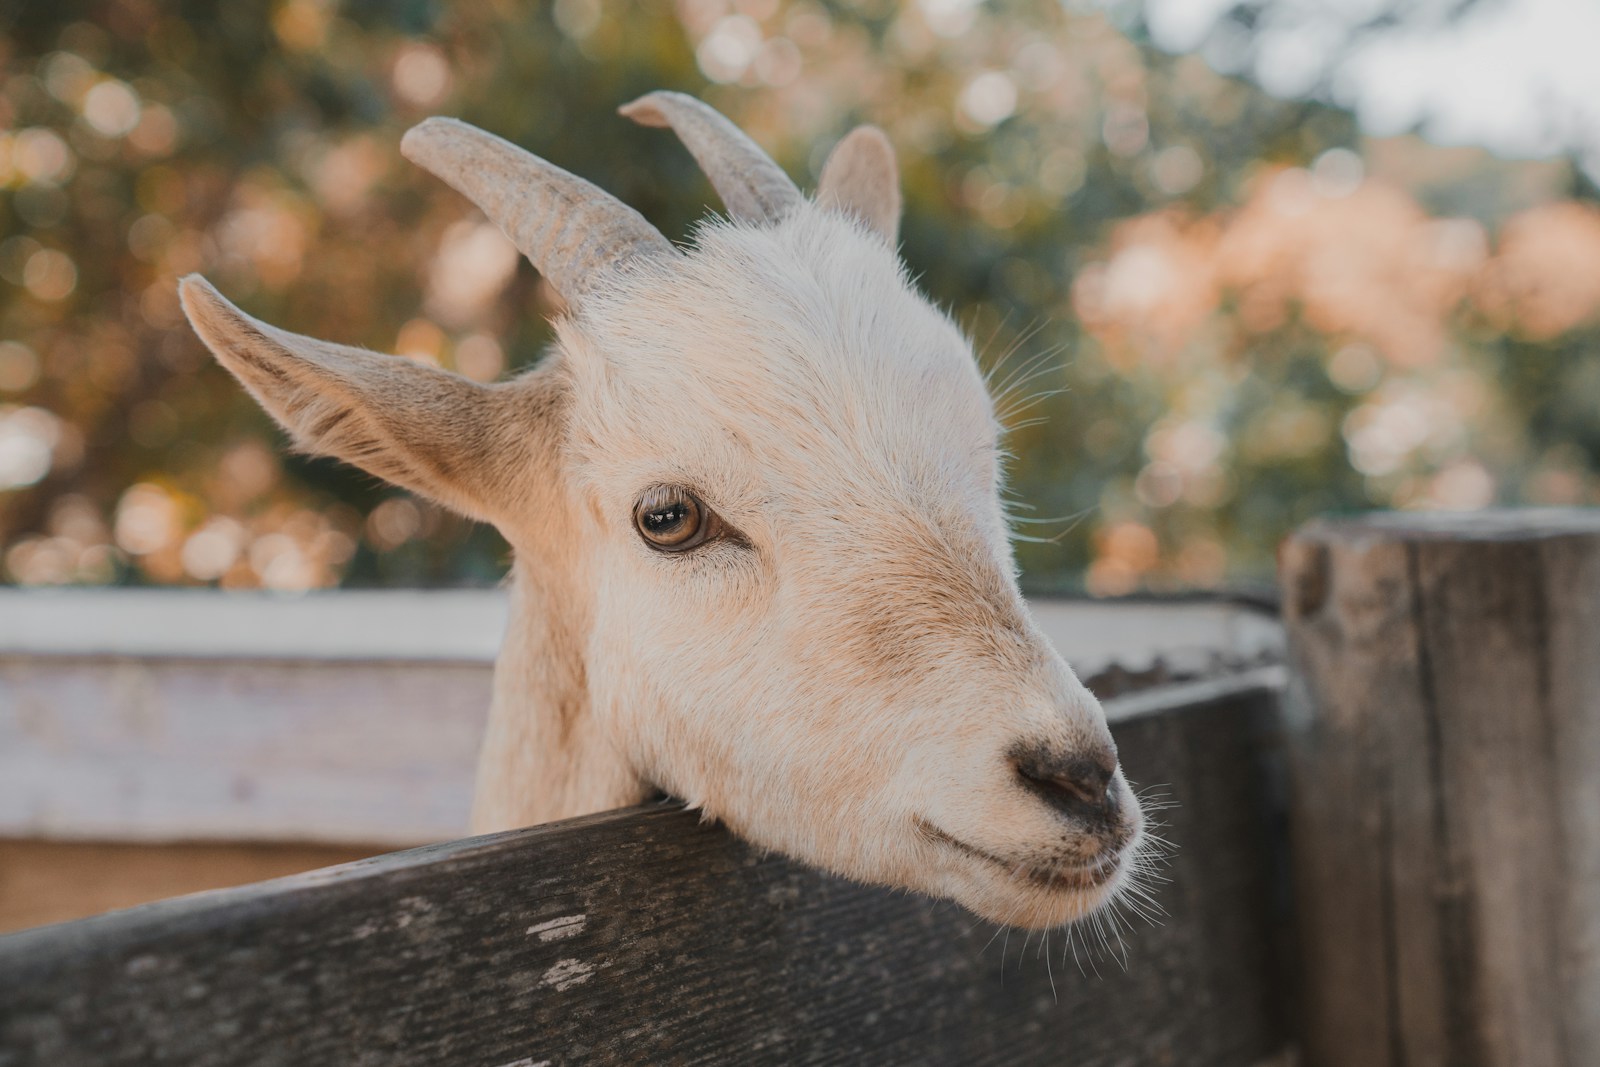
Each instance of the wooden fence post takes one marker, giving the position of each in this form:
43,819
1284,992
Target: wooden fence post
1444,724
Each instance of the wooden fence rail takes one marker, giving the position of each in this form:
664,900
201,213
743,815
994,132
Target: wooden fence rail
642,936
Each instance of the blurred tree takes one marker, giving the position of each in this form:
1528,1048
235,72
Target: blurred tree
1230,311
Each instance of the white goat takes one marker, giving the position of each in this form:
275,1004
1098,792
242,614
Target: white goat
760,556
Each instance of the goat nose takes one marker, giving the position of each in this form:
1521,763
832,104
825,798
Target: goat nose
1078,784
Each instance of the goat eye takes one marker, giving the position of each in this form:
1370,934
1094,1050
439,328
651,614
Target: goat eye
672,519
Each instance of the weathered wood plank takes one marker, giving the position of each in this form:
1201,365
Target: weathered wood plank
642,936
1445,726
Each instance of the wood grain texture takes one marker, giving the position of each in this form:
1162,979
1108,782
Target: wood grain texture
644,937
1445,732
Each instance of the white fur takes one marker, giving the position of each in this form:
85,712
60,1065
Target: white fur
852,675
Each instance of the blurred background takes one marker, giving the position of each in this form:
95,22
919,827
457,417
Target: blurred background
1257,260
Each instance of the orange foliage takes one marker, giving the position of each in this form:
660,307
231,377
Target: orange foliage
1368,264
1545,279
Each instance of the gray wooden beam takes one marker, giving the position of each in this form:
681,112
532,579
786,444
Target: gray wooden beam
642,936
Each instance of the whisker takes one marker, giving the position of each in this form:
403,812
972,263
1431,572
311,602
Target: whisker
1026,424
1007,398
1049,969
1010,409
1115,921
1072,943
1045,522
981,350
1015,346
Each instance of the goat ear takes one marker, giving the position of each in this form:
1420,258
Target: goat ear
437,433
861,178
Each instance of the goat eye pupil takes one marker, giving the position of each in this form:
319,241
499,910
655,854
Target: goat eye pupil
664,519
670,519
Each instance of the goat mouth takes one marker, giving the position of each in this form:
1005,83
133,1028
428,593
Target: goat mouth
1077,879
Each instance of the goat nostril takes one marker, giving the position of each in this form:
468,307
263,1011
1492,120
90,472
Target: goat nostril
1078,786
1087,792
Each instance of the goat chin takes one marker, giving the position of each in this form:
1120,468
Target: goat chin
1015,899
760,554
1040,909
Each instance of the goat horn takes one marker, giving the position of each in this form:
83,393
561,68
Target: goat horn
570,229
753,188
